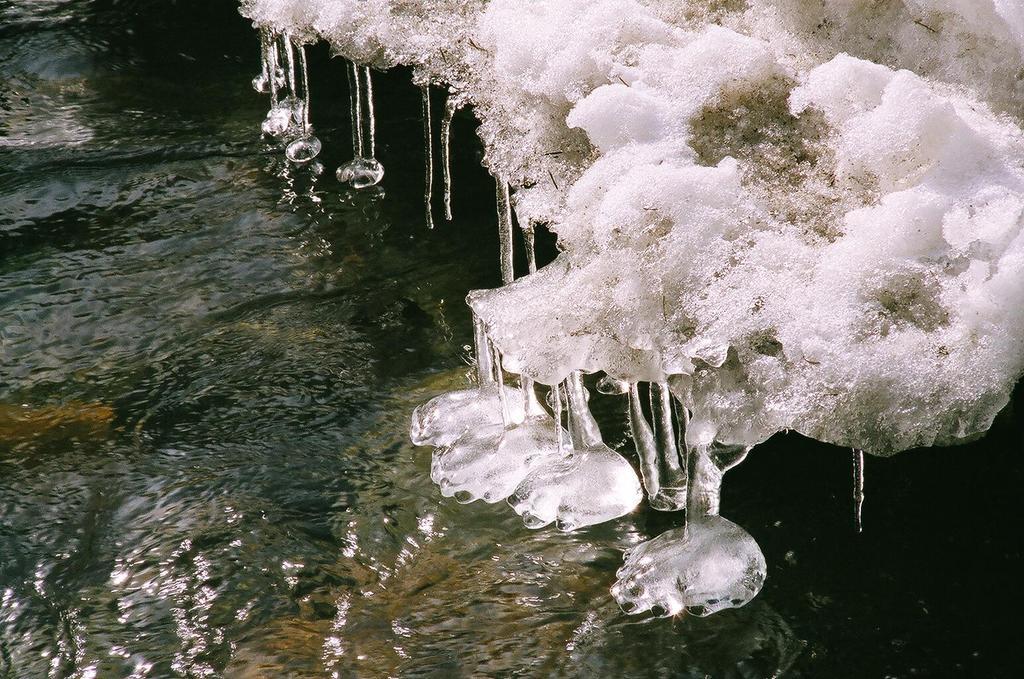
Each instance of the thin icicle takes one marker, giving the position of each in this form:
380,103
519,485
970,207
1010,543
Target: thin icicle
371,125
304,71
450,106
556,407
428,144
505,418
307,146
357,110
531,406
505,231
531,248
661,408
273,66
261,83
858,487
646,447
484,364
289,63
582,426
363,170
279,118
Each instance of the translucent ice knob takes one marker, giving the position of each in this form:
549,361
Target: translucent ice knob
303,150
360,173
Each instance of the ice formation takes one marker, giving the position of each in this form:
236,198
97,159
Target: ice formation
364,170
771,215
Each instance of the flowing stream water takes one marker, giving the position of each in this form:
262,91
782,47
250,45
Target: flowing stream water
208,359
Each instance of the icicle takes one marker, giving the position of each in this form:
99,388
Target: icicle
371,150
289,63
721,564
705,484
279,117
682,420
643,438
274,68
363,170
262,82
506,420
450,106
530,403
858,487
428,144
556,407
484,365
307,146
668,454
505,231
306,128
531,250
357,110
582,426
663,474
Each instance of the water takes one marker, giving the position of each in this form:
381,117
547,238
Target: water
208,360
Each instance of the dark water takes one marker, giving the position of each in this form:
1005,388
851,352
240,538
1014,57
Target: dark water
207,364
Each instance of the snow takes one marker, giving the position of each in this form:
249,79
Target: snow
801,215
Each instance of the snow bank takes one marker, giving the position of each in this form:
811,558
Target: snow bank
801,214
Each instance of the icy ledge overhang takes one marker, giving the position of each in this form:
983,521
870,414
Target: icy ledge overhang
801,215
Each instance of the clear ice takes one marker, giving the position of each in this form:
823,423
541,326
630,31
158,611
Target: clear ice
364,170
592,484
662,469
428,157
451,105
707,565
489,463
764,225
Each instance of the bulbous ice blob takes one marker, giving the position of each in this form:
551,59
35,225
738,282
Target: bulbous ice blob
592,484
708,566
261,83
444,419
303,150
278,121
360,173
587,487
489,463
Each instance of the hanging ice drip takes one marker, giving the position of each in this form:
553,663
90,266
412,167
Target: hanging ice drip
451,106
272,80
662,469
490,462
709,564
271,77
363,170
793,247
307,146
428,156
